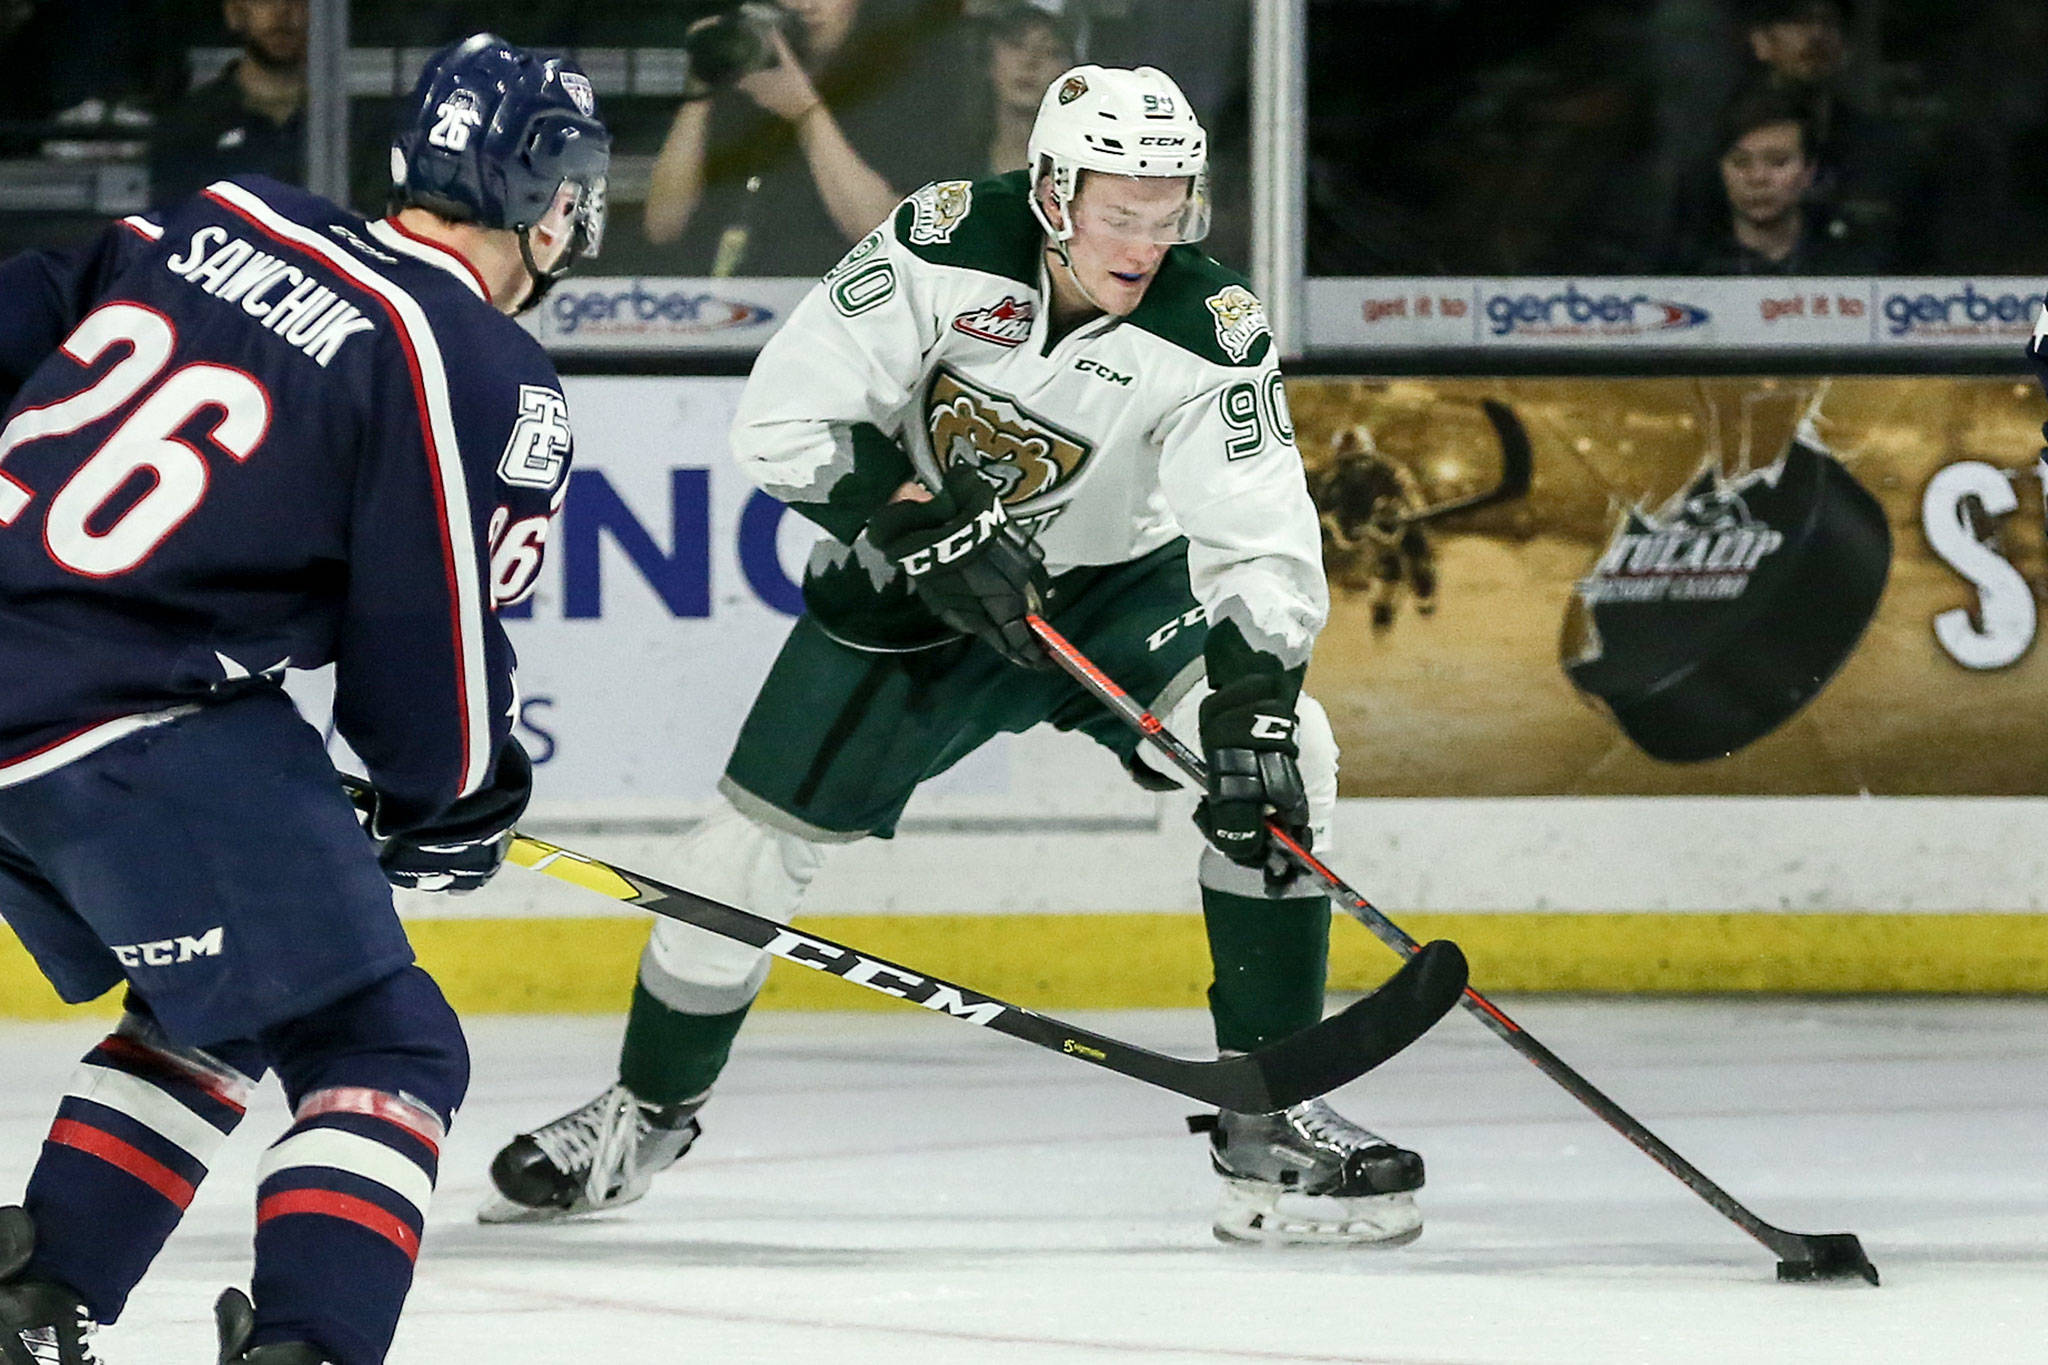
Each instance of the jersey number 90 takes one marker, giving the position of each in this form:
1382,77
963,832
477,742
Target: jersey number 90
145,444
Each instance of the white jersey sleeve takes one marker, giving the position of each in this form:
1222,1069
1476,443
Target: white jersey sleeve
815,427
1233,480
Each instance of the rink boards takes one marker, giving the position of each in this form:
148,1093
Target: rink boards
1888,838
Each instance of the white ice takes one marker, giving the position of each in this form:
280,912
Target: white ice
905,1188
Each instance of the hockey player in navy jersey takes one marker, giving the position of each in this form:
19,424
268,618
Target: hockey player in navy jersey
249,432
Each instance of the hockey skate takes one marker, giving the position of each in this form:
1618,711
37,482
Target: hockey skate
235,1317
600,1156
1308,1176
41,1322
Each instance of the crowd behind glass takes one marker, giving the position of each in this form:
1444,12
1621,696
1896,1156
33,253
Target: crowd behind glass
1456,137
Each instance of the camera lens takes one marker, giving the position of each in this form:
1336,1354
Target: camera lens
729,46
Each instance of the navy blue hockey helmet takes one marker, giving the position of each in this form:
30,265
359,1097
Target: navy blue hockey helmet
497,135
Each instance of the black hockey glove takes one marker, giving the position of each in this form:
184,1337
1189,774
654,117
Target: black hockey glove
969,563
465,845
1248,743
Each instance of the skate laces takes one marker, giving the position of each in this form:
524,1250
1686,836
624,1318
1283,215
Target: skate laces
617,1143
599,1139
1316,1119
45,1348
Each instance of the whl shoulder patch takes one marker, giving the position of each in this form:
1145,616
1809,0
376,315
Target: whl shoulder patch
538,450
1240,319
938,209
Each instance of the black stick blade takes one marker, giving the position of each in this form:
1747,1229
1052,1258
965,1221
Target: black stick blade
1828,1256
1354,1041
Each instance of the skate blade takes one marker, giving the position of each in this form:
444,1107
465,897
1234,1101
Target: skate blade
1255,1214
498,1209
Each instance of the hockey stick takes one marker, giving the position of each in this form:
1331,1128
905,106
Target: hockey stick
1802,1255
1310,1063
1516,468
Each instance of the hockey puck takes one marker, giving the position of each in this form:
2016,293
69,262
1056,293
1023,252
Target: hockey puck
1713,620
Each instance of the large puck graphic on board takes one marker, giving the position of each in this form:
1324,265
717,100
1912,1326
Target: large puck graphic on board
1710,622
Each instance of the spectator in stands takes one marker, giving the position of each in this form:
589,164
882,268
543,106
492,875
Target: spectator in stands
778,170
251,118
1027,49
1769,225
1864,172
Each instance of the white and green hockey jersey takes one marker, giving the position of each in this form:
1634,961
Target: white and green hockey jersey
929,345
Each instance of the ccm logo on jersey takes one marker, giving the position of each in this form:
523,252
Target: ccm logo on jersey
167,952
1096,367
1279,728
538,450
955,546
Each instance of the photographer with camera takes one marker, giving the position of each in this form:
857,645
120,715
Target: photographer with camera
818,151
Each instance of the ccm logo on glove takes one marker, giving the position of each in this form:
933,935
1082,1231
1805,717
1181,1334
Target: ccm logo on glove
1277,728
958,545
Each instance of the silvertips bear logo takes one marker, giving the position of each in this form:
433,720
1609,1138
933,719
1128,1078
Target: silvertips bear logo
1240,320
1073,89
937,209
1006,324
1020,453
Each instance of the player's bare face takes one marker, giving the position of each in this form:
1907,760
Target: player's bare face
1123,226
1766,173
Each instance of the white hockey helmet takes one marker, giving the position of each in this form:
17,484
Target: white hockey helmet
1120,122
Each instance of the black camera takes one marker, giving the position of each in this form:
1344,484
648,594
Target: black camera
736,41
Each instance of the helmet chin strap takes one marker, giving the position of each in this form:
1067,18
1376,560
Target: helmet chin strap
1059,246
541,280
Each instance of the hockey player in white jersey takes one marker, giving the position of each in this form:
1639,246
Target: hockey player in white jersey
1028,393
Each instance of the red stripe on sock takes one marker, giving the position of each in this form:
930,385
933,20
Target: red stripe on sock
416,1120
119,1154
343,1206
143,1055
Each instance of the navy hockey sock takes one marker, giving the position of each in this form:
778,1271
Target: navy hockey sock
342,1197
1271,958
130,1144
344,1190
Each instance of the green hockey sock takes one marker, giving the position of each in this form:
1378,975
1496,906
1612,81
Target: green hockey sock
1271,957
669,1056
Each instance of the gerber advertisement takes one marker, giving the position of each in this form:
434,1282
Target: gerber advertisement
1681,587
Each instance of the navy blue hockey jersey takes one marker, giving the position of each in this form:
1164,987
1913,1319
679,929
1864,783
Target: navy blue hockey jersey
256,430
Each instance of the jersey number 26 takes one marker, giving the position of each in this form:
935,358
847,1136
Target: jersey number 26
145,443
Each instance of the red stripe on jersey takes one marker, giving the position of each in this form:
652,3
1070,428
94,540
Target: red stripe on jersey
470,741
53,744
417,1120
344,1206
483,290
110,1149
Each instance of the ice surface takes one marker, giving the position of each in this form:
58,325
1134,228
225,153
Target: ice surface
903,1188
